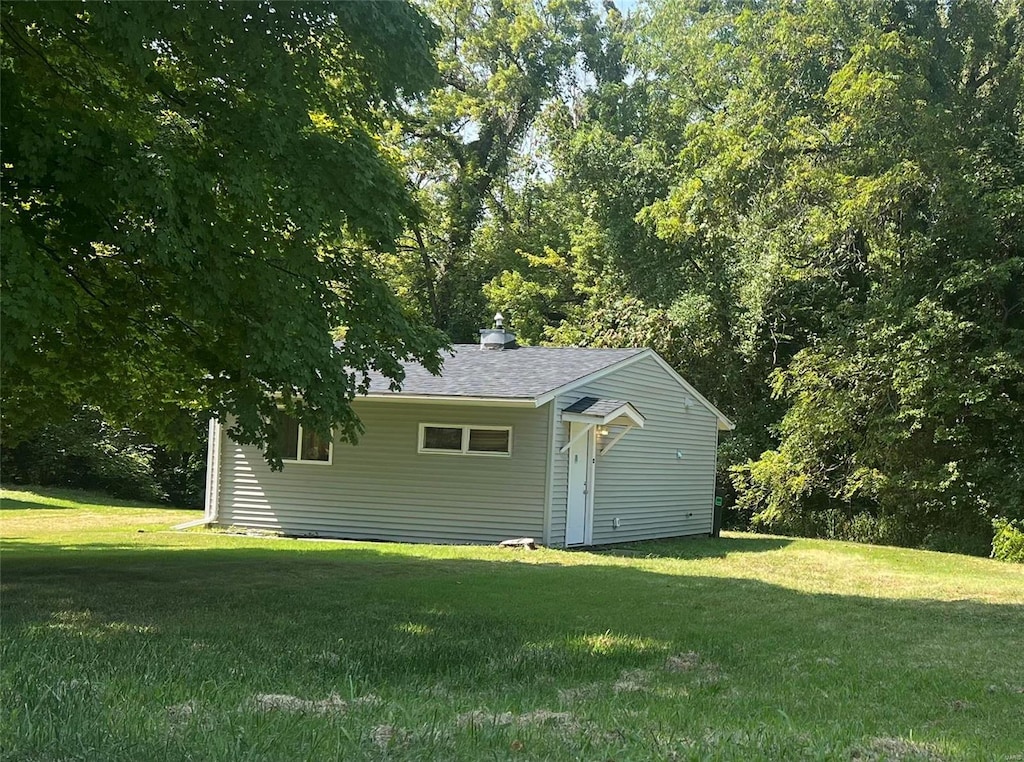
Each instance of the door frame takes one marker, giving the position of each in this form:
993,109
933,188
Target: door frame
589,446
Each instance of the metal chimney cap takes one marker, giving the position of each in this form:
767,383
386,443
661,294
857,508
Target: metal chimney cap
499,320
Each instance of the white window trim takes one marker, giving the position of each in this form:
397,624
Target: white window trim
298,453
466,427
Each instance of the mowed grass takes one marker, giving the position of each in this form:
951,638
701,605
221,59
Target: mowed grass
124,640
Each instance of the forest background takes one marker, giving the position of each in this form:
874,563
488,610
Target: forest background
813,210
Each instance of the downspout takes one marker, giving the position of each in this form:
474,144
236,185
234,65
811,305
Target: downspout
211,506
714,493
212,511
549,476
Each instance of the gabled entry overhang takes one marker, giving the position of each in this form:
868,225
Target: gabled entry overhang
596,412
603,412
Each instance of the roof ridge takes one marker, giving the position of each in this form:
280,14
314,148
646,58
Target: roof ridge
521,373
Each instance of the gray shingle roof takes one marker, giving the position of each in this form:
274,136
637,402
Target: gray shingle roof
595,406
521,373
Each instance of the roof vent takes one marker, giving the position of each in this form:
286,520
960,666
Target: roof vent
497,337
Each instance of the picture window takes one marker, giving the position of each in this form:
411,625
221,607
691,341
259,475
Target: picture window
296,444
465,440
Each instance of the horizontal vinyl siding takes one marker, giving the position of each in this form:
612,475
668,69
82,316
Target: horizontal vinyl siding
559,475
641,482
383,489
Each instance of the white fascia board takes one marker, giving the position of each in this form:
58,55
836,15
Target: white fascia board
624,363
626,410
434,399
724,424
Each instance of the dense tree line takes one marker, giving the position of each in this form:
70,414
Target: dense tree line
814,211
83,449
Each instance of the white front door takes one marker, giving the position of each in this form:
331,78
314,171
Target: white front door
581,456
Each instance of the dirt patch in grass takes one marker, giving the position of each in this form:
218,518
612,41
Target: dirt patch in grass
483,718
580,692
369,700
633,681
333,704
896,750
707,672
629,681
178,713
384,736
282,702
1005,687
179,716
642,680
544,716
480,717
686,662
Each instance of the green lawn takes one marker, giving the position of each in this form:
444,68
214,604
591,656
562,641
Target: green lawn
124,640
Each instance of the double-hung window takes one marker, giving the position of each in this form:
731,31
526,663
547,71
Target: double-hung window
299,445
450,439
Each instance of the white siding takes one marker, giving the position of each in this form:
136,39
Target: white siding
384,489
641,481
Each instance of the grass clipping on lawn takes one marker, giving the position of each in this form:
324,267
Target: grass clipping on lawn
129,644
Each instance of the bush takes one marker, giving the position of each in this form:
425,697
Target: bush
181,475
87,452
970,540
1008,543
779,499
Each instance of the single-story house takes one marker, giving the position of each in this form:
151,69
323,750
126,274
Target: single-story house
568,445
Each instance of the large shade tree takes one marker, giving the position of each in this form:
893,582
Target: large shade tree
193,195
470,146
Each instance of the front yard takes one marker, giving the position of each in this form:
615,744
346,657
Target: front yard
124,640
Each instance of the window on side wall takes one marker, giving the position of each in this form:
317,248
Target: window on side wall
300,446
443,438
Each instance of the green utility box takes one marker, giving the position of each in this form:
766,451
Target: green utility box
716,526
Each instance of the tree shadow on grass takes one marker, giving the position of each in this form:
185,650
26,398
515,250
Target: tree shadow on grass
6,504
28,498
685,548
455,634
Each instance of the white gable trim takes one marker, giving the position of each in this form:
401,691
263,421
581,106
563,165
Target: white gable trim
623,363
625,409
724,424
